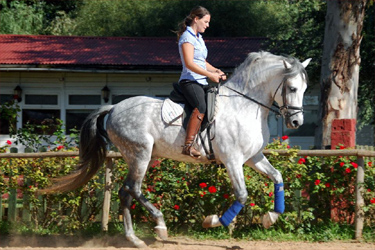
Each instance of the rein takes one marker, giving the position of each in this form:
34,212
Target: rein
283,110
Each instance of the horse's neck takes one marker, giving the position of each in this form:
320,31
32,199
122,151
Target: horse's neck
262,90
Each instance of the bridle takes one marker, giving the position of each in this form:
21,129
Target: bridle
281,111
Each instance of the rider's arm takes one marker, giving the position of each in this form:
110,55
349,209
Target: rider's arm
188,55
211,68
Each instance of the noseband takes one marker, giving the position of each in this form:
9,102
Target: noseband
283,110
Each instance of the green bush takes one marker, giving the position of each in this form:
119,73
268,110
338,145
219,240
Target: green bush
315,188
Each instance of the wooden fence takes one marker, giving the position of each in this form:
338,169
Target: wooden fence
359,200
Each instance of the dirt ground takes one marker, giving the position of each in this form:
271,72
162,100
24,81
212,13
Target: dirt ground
174,243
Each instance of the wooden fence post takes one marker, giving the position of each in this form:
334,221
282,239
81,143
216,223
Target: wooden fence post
359,201
12,199
1,206
107,194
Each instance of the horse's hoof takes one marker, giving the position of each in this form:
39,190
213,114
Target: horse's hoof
211,221
269,219
136,241
161,232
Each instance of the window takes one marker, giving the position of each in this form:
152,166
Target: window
5,122
41,99
84,99
75,119
41,117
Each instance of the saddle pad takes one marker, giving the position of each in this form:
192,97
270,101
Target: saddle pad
172,113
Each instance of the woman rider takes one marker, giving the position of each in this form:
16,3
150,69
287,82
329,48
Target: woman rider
195,71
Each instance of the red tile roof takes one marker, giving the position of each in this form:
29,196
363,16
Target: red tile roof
117,51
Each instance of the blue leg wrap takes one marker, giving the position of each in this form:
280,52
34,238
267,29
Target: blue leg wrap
279,198
229,215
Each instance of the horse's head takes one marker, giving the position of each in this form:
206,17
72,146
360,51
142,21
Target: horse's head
292,89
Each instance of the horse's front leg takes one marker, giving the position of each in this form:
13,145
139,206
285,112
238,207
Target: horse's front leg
263,166
235,173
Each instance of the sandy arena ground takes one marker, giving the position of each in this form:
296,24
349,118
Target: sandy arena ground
174,243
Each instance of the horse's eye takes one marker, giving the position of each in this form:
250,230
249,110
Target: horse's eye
293,90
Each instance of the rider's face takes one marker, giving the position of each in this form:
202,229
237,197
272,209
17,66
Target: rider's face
203,23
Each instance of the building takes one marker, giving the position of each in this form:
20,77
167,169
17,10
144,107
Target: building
65,76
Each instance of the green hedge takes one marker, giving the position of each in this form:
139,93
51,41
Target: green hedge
315,188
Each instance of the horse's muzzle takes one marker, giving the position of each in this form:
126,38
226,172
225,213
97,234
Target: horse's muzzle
294,121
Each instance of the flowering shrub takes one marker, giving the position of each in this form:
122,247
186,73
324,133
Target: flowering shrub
316,189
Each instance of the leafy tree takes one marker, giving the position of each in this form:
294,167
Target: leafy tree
18,17
340,65
366,90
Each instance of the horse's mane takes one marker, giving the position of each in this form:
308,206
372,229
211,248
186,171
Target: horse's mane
252,71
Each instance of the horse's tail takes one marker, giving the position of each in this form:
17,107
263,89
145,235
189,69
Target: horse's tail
92,153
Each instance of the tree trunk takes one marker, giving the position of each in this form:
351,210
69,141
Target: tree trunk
340,65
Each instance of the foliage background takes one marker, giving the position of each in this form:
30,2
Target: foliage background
318,191
315,186
295,27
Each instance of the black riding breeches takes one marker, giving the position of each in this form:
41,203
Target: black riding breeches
194,94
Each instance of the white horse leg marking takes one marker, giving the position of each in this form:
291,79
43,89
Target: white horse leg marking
260,163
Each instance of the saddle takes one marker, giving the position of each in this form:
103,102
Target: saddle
176,112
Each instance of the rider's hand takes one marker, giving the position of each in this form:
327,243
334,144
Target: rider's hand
215,77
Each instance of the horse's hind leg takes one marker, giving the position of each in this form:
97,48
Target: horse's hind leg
132,188
126,200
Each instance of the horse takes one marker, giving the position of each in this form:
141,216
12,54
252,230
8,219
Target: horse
136,128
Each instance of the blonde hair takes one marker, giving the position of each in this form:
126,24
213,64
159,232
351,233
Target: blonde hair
197,11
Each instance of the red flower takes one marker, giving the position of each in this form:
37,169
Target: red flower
202,194
298,176
252,204
176,207
156,163
9,142
368,190
133,206
301,161
212,189
270,194
317,182
288,146
327,185
285,137
355,165
342,164
369,164
226,196
342,147
60,147
372,200
203,185
348,170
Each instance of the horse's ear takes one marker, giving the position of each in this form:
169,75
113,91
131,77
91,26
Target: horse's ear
306,62
287,65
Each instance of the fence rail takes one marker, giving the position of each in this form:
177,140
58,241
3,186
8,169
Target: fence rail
359,200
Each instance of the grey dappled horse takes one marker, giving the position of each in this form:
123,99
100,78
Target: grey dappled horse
136,128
